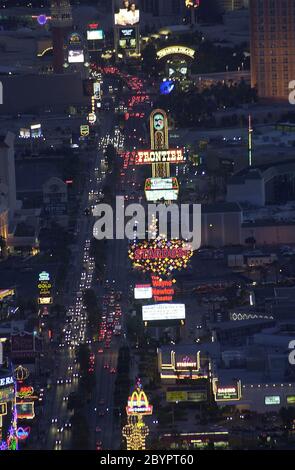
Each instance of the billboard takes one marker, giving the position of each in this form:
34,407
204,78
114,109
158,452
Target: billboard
161,188
76,56
126,13
291,399
145,157
127,38
227,393
25,410
143,291
95,35
196,396
159,312
272,400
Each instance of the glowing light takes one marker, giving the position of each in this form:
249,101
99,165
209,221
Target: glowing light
42,19
160,256
167,87
171,50
23,433
135,431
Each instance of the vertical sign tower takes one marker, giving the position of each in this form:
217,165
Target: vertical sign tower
159,141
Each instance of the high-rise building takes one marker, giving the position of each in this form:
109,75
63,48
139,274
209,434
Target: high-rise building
272,25
61,22
7,177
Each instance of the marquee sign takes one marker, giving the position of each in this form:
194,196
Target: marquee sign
178,50
160,256
231,392
145,157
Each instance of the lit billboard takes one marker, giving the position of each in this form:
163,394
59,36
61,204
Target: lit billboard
126,13
145,157
143,291
227,392
186,396
95,35
25,410
76,56
127,38
159,312
161,188
272,400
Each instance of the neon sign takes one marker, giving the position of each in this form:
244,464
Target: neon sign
171,50
23,433
144,157
160,256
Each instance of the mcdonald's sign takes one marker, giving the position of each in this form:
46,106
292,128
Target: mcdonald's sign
138,404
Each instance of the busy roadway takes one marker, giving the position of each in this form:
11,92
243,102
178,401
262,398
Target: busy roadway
104,433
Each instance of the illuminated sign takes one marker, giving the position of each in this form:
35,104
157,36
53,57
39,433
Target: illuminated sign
95,35
3,409
84,130
291,399
76,56
227,393
6,381
161,188
161,183
185,396
91,118
128,15
162,290
145,157
160,256
45,300
6,293
44,287
171,50
7,394
25,392
42,20
44,276
272,400
160,312
159,130
167,86
143,291
127,38
75,39
36,131
186,363
142,253
23,433
138,404
24,133
25,410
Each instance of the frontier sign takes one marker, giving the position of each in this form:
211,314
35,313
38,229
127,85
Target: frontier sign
145,157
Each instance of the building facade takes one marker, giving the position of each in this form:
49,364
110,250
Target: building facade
272,25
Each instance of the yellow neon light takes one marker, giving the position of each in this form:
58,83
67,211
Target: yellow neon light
41,54
182,50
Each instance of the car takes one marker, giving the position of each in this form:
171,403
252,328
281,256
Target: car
97,429
113,370
101,413
106,366
100,351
